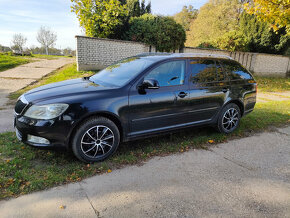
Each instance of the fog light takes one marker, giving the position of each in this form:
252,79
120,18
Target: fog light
37,140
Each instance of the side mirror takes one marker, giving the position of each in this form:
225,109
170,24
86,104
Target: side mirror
150,84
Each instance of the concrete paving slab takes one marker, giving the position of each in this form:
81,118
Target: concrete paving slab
11,85
71,197
6,122
25,72
52,64
246,177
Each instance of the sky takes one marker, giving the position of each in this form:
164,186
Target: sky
26,17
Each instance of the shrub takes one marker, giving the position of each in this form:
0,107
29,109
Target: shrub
159,31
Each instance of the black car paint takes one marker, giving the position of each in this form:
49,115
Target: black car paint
137,114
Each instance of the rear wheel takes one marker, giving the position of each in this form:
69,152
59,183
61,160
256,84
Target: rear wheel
95,140
229,118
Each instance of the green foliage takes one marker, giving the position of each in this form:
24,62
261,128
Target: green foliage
99,18
7,61
274,12
162,32
137,9
186,16
214,19
272,84
223,24
134,8
253,35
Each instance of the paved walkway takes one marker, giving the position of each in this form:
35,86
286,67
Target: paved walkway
19,77
248,177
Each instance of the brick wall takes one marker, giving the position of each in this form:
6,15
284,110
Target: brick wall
96,53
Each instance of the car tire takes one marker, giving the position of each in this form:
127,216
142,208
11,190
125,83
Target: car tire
229,118
95,140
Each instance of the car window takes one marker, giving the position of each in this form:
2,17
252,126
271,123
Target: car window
236,71
121,72
220,73
203,71
168,74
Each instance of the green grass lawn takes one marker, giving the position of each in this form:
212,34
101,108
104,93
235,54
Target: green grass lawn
67,72
272,84
8,62
24,169
48,57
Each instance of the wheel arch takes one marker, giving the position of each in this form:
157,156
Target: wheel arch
239,103
107,115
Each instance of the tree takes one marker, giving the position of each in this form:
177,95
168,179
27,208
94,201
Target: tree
134,8
162,32
137,9
253,35
18,42
99,18
186,16
46,38
275,12
214,19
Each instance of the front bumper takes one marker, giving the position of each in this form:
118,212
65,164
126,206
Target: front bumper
55,131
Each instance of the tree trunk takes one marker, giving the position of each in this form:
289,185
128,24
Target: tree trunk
46,49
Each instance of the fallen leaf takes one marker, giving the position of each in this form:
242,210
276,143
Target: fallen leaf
211,141
7,161
88,165
61,207
109,171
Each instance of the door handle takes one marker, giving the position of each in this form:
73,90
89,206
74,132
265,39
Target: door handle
182,94
225,90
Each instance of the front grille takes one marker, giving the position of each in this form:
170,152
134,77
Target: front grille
20,105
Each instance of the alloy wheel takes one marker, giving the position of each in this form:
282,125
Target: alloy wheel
97,141
230,119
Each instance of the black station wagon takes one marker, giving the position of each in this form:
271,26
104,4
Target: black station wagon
134,98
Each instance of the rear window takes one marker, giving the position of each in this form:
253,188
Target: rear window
236,71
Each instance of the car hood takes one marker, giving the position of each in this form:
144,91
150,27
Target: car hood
64,89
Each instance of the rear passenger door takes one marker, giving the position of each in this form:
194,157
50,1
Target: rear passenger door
208,89
243,86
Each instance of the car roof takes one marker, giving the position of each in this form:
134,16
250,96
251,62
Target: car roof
162,56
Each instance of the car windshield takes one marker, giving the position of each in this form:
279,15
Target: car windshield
120,73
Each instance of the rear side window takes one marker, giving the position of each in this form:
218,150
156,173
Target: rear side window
206,71
203,71
236,71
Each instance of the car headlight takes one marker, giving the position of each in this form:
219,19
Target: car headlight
46,112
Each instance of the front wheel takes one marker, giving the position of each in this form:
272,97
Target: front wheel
229,118
95,140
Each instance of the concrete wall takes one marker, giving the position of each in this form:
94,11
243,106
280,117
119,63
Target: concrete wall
96,53
257,63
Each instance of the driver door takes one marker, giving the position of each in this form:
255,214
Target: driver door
159,109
